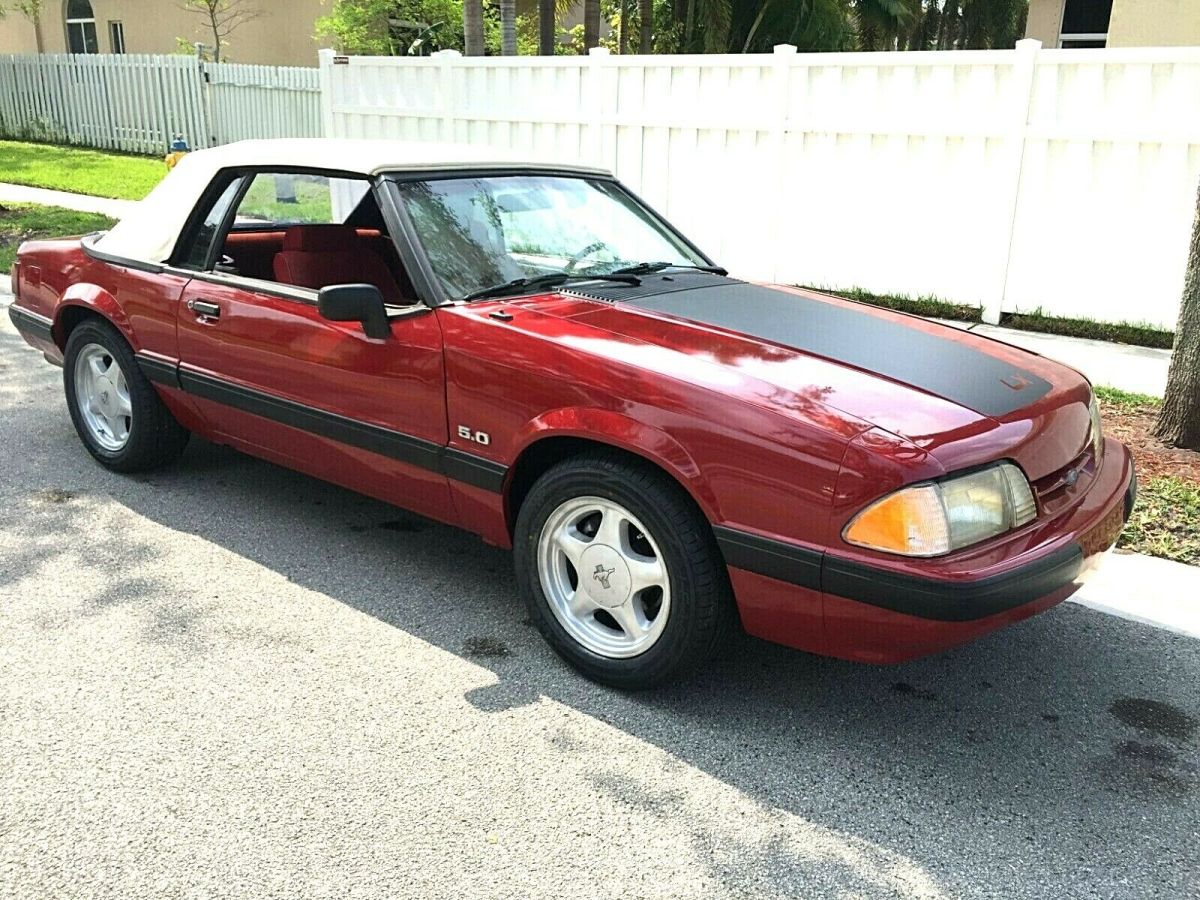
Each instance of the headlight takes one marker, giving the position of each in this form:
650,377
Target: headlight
1097,435
939,516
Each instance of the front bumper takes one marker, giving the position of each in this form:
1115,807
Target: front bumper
872,613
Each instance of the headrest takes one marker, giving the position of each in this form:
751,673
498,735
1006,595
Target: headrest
321,238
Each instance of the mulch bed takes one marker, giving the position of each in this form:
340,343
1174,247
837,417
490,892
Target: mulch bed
1134,426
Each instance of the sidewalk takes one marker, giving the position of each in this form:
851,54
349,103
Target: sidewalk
1145,589
16,193
1142,370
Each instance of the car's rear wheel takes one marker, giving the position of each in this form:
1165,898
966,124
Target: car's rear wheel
116,412
621,571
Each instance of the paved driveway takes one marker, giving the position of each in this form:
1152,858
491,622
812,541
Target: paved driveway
228,679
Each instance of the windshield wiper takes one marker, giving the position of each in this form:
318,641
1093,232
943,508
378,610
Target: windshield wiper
550,280
646,268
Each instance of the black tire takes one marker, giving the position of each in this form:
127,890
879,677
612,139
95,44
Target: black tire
702,613
155,437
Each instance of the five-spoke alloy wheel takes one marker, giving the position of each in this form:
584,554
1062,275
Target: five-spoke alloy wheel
117,413
604,577
620,570
102,393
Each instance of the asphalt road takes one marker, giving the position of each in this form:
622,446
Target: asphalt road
227,679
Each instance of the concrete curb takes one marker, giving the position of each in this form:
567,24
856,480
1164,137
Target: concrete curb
1148,590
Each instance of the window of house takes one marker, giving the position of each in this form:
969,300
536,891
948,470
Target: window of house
81,27
1085,24
116,37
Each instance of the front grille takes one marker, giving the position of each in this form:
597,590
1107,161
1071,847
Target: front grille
1055,490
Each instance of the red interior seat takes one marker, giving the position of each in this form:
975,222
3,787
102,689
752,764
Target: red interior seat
315,256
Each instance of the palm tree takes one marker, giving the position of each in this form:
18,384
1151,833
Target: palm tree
881,22
473,27
645,24
712,18
591,24
546,35
508,27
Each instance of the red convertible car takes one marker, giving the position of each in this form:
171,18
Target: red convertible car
529,352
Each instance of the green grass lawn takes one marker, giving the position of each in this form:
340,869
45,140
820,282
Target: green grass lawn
79,171
1125,400
23,223
1165,521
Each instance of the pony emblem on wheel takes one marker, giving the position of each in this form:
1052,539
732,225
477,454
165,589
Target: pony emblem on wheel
603,575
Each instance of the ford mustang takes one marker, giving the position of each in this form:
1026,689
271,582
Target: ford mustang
529,352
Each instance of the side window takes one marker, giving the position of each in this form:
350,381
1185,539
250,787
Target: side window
283,199
196,255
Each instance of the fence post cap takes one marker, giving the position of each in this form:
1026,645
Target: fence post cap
785,48
446,54
325,55
1028,44
599,51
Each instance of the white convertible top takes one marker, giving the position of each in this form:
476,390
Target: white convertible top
149,232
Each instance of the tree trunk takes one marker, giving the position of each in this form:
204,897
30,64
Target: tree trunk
645,24
508,27
1179,419
546,35
591,24
762,11
624,26
473,27
212,17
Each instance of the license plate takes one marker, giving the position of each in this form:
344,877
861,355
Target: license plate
1106,532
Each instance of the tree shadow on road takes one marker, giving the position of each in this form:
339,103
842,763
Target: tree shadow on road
991,737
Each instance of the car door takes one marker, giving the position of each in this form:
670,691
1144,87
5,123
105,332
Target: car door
275,378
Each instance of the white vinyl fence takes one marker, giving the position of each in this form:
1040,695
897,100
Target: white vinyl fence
136,103
263,101
1063,180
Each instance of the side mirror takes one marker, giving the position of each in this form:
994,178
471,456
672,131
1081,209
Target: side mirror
355,303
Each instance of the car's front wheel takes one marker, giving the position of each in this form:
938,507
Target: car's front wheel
116,411
621,571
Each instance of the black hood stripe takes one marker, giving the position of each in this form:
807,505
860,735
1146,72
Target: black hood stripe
884,345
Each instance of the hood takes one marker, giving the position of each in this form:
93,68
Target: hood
956,394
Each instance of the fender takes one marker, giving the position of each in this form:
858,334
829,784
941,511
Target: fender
98,300
620,431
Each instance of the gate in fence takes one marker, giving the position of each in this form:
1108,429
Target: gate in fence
137,102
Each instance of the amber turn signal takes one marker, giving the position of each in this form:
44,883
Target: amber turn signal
939,516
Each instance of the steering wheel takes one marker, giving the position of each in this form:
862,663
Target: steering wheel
578,257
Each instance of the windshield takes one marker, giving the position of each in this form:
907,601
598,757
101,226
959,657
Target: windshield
484,231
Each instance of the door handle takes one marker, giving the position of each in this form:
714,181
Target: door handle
204,308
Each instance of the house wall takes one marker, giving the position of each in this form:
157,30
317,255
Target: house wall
1134,23
1154,23
17,34
1045,17
282,35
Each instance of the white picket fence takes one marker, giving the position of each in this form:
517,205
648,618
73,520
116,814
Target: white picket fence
1062,180
136,103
